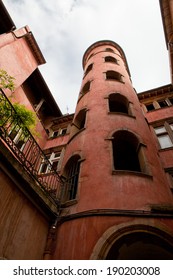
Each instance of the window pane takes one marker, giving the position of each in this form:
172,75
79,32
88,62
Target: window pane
165,141
160,129
171,125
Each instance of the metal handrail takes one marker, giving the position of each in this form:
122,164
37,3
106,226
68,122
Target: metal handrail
27,151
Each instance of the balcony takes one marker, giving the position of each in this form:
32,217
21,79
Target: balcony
18,140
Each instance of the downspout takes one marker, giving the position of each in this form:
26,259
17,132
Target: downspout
51,240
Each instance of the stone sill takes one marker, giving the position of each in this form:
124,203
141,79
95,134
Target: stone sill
131,173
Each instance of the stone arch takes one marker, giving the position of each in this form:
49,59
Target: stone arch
112,235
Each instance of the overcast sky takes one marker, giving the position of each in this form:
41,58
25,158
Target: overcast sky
64,29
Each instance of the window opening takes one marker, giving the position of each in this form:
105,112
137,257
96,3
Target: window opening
150,107
51,160
71,175
86,88
109,50
118,103
111,59
112,75
162,103
89,68
164,135
19,136
171,100
125,151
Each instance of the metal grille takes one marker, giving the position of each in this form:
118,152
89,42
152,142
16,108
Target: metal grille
71,181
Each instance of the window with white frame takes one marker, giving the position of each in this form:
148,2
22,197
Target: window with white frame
59,132
18,136
51,161
165,135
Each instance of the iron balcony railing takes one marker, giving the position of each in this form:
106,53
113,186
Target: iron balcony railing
26,150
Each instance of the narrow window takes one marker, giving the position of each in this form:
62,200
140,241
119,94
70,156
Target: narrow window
113,75
78,123
118,103
19,136
111,59
109,50
169,174
171,100
71,176
125,151
85,88
80,119
165,135
162,103
63,131
89,68
150,107
50,161
55,133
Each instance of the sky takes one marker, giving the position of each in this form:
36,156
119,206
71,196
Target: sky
64,29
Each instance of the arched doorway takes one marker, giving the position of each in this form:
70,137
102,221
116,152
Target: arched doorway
142,240
140,246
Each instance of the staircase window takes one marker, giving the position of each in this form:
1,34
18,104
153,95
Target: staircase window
126,151
113,75
118,103
71,176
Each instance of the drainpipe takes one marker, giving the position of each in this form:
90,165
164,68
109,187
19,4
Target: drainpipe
51,240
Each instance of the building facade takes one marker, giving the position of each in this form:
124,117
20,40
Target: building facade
97,184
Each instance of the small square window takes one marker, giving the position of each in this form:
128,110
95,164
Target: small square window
160,129
55,134
164,135
150,107
165,141
162,103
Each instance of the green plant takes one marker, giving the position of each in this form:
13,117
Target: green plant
6,81
20,115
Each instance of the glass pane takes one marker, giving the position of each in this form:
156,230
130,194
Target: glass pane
165,141
171,125
160,129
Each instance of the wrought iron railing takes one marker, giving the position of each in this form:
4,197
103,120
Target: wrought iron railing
26,150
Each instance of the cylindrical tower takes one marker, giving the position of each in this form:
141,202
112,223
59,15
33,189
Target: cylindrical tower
111,170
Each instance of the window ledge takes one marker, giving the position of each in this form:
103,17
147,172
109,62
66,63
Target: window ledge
121,113
115,80
133,173
165,149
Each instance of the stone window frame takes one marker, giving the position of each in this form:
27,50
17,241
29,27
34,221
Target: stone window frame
70,179
111,75
166,130
145,169
125,102
110,59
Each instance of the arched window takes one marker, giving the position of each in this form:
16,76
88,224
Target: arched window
78,123
71,176
126,151
85,88
109,50
89,68
111,59
118,103
113,75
